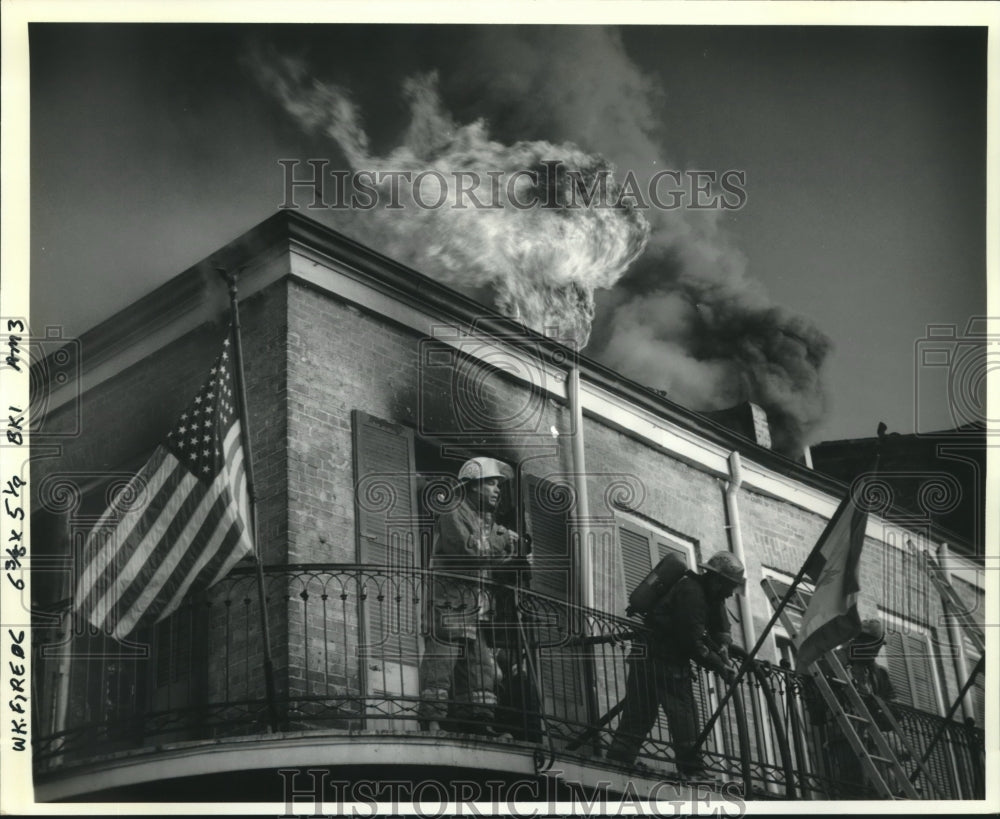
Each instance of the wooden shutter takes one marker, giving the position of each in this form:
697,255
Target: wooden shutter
551,559
635,558
911,669
553,574
385,498
386,514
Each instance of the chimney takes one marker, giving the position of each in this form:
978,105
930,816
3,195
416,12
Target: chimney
746,419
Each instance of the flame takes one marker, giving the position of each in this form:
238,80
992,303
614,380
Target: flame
542,265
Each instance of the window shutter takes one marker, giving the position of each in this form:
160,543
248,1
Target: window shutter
911,669
636,561
385,504
552,574
898,672
922,671
386,516
553,567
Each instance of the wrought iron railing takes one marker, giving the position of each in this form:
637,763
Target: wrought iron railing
347,642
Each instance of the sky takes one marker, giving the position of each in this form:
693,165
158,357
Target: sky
863,149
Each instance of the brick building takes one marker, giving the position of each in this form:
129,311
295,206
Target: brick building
368,385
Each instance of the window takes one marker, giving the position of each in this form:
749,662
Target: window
776,586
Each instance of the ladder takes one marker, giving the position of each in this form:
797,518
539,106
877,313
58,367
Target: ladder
853,716
955,605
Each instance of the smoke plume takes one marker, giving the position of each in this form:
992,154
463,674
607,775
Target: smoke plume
542,265
686,317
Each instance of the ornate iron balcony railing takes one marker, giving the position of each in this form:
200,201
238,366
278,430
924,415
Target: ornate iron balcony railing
347,642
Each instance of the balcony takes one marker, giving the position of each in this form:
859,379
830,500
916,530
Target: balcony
346,641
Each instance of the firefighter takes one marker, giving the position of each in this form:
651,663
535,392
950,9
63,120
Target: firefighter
688,623
459,666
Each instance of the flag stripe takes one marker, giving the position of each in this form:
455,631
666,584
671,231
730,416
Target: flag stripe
224,543
154,474
206,514
134,555
149,544
237,472
245,547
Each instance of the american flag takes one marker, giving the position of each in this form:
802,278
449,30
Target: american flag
188,524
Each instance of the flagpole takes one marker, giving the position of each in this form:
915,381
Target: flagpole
746,663
272,707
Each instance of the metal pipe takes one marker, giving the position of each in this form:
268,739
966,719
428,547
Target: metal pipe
585,563
736,539
585,581
735,530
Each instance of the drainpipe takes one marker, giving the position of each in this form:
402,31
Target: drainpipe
749,632
585,581
736,539
586,577
955,636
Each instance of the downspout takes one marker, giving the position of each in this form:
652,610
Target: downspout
585,579
735,529
957,640
586,576
736,539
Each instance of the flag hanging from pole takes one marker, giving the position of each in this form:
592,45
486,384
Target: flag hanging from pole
186,523
831,617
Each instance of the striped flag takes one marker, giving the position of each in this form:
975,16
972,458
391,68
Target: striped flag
831,618
187,524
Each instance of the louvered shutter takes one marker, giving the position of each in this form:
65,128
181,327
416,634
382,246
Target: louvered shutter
911,669
385,509
635,556
561,673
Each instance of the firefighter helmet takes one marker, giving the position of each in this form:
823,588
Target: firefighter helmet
728,566
480,469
